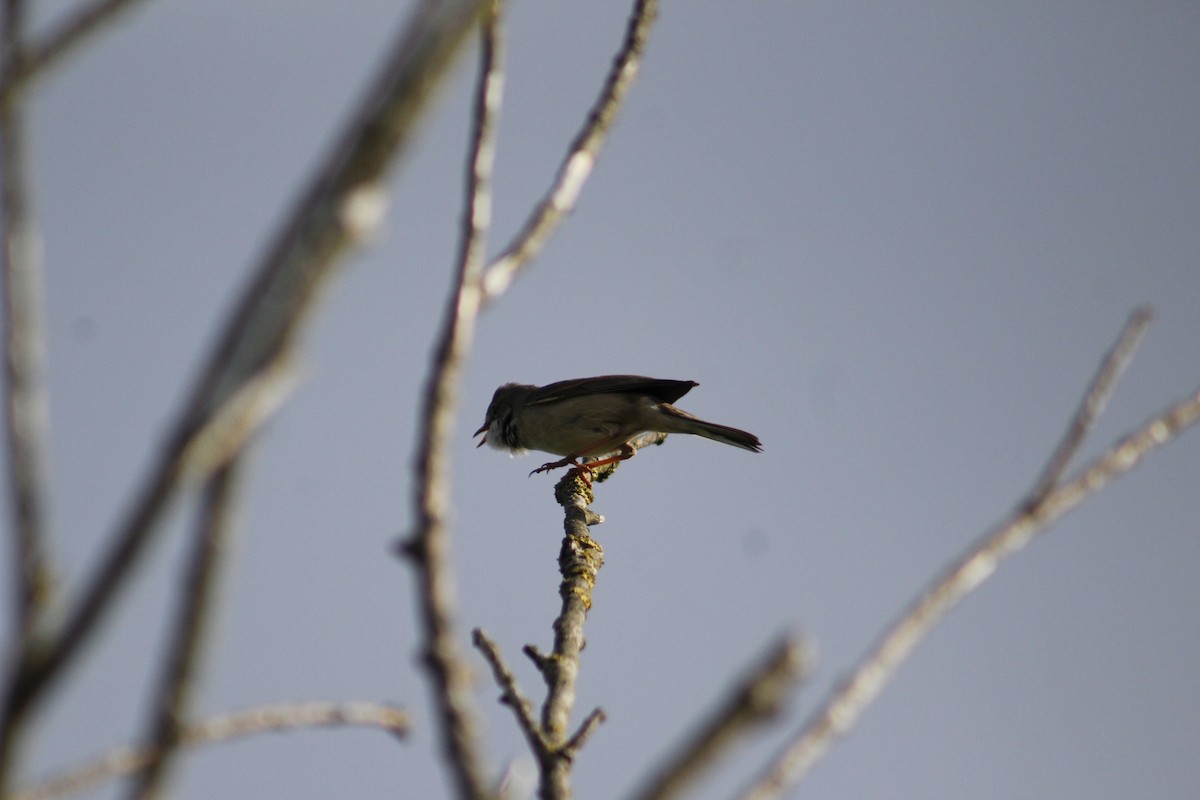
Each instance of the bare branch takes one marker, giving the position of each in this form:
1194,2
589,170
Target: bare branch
512,695
250,361
1094,401
197,594
20,66
841,709
579,562
581,157
263,719
430,542
758,698
25,403
25,397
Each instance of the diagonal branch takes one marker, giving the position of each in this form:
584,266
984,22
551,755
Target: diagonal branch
34,60
198,593
512,696
22,65
248,369
223,728
590,723
1094,400
756,699
841,709
560,199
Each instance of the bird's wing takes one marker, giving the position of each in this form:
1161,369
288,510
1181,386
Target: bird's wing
662,390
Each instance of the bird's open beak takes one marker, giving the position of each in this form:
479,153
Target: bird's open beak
482,430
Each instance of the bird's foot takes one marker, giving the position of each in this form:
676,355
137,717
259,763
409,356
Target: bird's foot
562,462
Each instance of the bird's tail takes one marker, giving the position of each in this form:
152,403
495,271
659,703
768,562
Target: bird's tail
684,422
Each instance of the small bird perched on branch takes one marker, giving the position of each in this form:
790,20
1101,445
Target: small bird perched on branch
594,416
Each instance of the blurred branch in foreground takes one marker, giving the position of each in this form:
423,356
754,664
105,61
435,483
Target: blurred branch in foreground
1050,498
181,665
249,371
278,718
758,698
35,59
26,406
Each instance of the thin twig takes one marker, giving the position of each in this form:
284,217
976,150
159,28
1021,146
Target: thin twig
450,679
263,719
512,696
197,594
757,698
845,704
250,360
39,57
586,728
539,659
581,157
1093,403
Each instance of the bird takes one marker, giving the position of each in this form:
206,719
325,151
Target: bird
590,417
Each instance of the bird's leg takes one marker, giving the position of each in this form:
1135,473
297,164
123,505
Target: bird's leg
624,452
587,470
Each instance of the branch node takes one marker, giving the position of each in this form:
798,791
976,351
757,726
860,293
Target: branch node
414,549
589,725
540,660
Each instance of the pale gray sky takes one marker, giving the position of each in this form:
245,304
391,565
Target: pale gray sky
892,240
